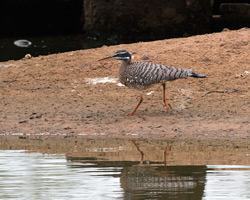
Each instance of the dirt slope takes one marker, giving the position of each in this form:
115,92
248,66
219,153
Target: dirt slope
50,94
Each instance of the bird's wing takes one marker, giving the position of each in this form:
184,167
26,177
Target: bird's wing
150,73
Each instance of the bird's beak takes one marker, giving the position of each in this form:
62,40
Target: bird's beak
107,58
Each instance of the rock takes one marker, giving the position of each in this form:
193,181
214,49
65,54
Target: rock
146,20
27,56
22,122
22,43
145,57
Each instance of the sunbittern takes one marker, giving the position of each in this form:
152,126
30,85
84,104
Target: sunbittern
142,75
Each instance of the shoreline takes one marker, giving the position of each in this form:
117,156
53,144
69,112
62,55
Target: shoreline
51,94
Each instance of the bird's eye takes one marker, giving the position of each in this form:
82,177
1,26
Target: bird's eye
118,54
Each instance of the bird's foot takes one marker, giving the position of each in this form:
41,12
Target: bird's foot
131,114
168,106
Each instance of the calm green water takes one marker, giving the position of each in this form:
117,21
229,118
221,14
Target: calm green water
25,175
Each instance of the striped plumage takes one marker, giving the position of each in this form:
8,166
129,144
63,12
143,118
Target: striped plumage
142,75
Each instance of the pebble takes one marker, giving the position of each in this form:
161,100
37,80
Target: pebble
145,57
28,56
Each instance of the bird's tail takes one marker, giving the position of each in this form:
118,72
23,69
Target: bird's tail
197,75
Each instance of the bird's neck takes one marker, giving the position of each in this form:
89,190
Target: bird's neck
126,62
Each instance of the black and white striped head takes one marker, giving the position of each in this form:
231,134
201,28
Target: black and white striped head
120,55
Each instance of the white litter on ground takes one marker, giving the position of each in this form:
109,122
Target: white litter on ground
120,85
103,80
243,74
151,92
6,65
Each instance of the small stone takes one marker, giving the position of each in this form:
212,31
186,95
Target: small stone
145,57
28,56
39,116
21,122
225,30
206,59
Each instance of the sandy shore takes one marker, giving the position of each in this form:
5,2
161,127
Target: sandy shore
56,94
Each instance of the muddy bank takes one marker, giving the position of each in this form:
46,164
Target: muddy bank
170,151
52,94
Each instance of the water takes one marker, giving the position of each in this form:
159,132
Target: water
80,168
37,176
44,45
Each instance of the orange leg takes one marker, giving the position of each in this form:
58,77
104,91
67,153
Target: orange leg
134,112
166,152
138,148
168,106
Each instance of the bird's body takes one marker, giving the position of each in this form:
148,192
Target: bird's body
142,75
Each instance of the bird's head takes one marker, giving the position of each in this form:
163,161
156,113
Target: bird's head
119,55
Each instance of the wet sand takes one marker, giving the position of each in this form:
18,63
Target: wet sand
157,151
